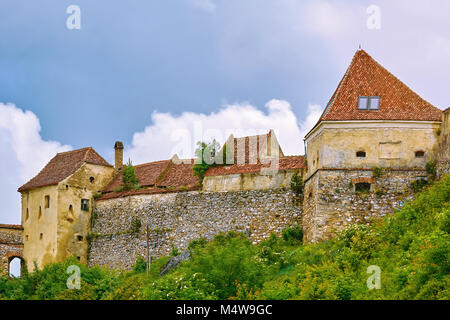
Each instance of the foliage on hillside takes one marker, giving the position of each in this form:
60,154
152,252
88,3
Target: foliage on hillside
411,248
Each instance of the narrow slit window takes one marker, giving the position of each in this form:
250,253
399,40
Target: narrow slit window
84,204
47,202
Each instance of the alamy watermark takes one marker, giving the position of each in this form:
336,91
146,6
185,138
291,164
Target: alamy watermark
374,281
74,20
74,281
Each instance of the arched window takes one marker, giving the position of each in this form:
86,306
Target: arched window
92,179
420,154
361,154
362,187
15,266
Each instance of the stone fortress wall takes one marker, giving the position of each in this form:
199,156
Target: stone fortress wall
11,245
175,219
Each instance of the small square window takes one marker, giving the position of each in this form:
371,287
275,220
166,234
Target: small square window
363,103
374,103
84,204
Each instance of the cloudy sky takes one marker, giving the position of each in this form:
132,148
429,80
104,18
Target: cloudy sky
160,75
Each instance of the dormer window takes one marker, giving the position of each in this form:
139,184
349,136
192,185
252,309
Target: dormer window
368,103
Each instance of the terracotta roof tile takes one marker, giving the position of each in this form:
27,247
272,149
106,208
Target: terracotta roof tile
62,166
180,175
366,77
285,163
163,173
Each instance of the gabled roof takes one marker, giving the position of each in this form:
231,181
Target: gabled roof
62,166
366,77
285,163
165,173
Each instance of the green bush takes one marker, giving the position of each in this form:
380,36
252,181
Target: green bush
129,178
297,184
411,248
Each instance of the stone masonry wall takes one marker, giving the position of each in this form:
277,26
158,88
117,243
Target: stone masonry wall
11,245
335,204
178,218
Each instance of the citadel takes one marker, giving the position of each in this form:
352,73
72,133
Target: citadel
374,140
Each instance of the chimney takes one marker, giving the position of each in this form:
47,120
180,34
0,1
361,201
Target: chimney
118,148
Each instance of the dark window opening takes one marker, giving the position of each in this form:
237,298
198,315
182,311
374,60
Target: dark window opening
47,202
79,258
92,179
362,187
27,215
361,154
41,236
84,204
40,213
420,154
80,238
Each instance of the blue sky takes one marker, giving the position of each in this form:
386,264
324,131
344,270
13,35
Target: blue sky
137,71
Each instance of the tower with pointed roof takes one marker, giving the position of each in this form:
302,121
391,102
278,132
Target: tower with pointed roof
57,206
373,139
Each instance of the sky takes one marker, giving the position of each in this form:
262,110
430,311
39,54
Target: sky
162,75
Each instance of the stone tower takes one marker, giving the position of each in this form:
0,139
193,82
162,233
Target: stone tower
373,139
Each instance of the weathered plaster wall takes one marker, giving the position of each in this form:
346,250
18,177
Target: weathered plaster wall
248,181
334,204
11,245
74,223
387,144
37,220
178,218
51,234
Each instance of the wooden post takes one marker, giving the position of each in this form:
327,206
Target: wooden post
148,251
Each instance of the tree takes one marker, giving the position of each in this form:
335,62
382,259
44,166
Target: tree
207,157
129,179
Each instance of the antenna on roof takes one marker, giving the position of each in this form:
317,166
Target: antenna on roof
359,46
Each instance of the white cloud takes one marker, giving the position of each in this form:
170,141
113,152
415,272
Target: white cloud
206,5
23,152
169,134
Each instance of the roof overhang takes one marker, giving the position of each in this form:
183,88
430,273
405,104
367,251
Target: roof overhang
356,124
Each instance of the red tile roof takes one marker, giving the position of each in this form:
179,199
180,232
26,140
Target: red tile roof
62,166
366,77
163,174
285,163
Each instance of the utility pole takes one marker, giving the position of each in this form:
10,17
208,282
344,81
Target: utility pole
148,251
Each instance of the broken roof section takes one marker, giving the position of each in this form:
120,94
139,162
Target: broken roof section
62,166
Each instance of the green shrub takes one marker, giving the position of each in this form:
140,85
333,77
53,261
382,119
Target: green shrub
297,184
377,172
293,234
129,178
135,225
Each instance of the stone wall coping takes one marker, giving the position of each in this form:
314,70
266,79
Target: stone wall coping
11,226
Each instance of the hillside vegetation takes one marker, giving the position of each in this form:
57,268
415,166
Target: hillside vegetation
411,248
